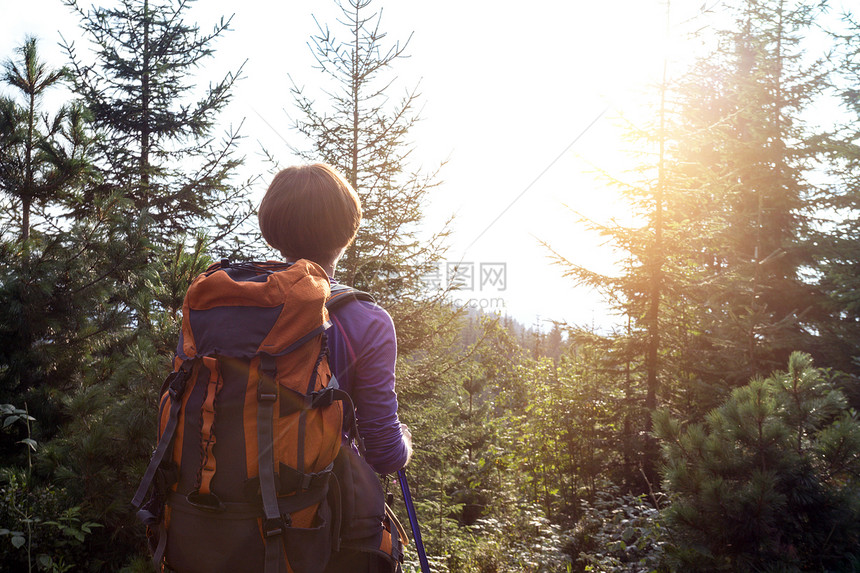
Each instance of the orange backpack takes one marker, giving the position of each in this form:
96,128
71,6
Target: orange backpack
250,425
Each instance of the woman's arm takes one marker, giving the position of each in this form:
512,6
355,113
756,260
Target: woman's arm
387,442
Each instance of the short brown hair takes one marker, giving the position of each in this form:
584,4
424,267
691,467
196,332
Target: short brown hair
309,212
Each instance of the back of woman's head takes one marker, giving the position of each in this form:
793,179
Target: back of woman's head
309,212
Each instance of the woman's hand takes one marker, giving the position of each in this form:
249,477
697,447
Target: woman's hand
407,440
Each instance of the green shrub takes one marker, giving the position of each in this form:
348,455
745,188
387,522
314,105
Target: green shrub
771,480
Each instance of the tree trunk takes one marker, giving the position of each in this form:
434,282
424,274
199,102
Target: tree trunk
144,113
27,195
653,315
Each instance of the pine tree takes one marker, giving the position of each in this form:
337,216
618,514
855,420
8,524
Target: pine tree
743,158
365,137
157,142
27,172
769,481
835,240
57,281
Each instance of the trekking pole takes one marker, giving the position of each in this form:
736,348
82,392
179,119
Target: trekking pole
413,521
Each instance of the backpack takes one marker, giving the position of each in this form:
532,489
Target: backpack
249,473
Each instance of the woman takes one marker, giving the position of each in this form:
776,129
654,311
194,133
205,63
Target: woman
311,212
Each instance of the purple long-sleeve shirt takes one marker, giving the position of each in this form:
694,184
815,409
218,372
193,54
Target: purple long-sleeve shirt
362,355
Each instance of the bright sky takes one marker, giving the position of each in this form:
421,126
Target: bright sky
506,90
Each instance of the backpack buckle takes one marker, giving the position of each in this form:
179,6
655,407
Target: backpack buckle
267,388
276,525
319,399
266,392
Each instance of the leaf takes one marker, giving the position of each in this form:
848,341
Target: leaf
18,541
30,442
628,533
45,561
9,421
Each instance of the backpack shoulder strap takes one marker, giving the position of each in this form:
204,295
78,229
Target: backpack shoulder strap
341,294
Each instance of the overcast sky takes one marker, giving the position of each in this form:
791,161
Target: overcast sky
507,91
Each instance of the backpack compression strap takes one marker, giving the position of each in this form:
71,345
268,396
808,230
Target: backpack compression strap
341,294
175,386
274,524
